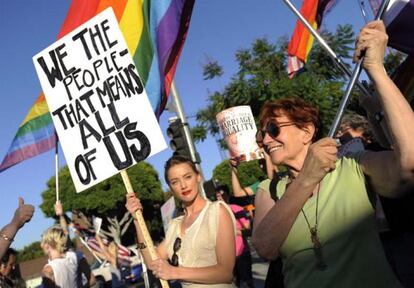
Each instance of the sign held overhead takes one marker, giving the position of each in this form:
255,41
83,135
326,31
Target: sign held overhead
97,100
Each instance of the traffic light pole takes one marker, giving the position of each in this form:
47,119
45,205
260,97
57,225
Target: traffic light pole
178,108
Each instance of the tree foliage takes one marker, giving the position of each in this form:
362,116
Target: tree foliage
29,252
262,76
393,60
248,173
212,69
107,199
102,197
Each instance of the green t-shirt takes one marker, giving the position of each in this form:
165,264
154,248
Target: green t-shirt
254,187
347,230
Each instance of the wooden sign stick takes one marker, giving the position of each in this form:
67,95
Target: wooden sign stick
142,226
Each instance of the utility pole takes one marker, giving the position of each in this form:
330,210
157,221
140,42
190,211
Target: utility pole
178,109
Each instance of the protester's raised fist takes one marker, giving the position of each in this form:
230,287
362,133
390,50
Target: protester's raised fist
371,43
22,214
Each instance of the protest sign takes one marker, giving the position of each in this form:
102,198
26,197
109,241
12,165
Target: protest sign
239,131
97,100
97,223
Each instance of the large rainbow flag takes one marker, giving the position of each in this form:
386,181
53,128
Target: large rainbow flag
301,42
155,32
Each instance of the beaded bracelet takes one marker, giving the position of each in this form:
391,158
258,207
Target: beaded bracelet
5,237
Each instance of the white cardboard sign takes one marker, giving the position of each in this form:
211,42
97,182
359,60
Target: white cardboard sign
97,100
97,223
239,131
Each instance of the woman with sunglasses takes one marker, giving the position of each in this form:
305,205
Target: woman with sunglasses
199,248
323,223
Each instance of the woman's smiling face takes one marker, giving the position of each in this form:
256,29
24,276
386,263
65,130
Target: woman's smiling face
290,146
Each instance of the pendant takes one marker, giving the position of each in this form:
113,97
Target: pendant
317,250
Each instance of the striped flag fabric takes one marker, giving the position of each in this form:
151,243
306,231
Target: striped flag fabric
88,234
155,32
36,135
301,41
124,254
398,19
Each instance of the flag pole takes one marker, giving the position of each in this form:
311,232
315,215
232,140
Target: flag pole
178,108
57,166
141,223
353,80
89,249
324,45
361,4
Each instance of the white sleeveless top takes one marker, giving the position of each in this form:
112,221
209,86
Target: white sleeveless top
198,244
64,270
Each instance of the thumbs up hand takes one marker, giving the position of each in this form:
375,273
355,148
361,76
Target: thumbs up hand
22,214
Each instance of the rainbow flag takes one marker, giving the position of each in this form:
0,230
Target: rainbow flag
155,32
301,42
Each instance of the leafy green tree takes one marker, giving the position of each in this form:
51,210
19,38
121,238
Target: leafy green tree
262,76
342,42
29,252
107,199
212,70
393,60
248,173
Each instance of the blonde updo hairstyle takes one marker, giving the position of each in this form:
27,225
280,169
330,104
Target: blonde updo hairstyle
55,238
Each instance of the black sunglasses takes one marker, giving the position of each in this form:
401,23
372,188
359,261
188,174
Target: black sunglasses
272,128
174,257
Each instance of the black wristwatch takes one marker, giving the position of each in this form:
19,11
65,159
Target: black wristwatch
141,245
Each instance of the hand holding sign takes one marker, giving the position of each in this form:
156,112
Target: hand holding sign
58,208
99,106
239,130
133,204
97,100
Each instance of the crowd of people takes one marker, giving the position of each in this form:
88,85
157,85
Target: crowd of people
317,215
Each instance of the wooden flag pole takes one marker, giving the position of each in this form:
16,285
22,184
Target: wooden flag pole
57,166
141,222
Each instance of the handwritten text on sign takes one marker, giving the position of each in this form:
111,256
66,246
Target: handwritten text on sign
97,100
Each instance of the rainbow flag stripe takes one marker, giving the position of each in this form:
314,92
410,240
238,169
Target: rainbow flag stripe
155,32
301,42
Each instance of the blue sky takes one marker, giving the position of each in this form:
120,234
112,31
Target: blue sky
218,29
